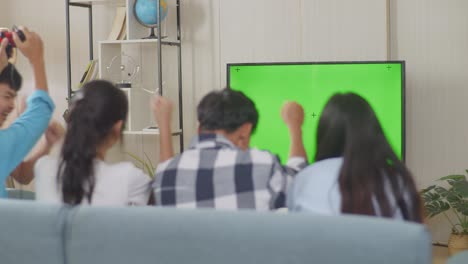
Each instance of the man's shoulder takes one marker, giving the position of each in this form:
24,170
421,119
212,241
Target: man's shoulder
262,156
192,158
170,163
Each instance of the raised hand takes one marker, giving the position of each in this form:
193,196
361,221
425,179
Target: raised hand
292,114
32,47
54,133
3,55
162,110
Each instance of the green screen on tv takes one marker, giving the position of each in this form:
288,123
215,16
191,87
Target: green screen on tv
311,85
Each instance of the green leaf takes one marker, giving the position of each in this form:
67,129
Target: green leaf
453,197
455,177
436,208
149,161
461,188
431,197
135,157
147,167
441,191
461,207
428,189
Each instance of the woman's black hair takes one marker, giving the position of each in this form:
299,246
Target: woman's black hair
95,109
371,172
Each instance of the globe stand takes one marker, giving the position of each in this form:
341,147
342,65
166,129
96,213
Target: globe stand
153,35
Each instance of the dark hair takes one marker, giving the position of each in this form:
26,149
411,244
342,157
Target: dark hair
226,110
371,172
11,77
94,111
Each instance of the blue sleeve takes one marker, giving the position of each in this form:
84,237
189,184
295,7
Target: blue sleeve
17,140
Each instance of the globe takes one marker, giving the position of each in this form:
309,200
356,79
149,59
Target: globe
146,12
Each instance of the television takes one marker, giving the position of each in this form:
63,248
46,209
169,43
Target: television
269,85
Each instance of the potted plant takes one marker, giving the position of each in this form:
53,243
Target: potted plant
145,165
453,198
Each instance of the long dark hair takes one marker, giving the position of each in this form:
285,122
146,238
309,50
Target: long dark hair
371,173
95,110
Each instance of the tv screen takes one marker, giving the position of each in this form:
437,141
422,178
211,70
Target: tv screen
311,85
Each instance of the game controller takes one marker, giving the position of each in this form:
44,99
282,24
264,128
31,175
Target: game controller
11,43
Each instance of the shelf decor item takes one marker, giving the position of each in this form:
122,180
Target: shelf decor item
124,73
146,13
454,200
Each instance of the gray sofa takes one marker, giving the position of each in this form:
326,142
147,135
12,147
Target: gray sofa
39,233
460,258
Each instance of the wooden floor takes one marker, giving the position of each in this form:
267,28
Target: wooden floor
439,255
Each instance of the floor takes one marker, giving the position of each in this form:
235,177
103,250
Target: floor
439,254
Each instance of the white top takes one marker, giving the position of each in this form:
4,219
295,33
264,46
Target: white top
316,189
116,184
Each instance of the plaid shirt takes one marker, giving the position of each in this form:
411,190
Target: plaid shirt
215,173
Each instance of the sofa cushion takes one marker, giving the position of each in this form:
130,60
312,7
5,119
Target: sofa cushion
171,236
30,232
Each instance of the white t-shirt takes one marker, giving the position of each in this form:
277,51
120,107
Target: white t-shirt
116,184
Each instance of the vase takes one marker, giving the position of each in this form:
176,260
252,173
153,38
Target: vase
457,243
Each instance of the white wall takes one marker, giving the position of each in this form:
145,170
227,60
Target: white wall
432,37
220,32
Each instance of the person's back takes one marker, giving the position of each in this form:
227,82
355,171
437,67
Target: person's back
116,184
219,170
80,175
316,189
356,171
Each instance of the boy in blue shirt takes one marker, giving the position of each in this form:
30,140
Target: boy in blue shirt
18,139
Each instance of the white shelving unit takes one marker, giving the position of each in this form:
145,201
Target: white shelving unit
148,55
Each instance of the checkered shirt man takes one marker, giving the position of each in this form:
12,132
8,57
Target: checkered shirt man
214,173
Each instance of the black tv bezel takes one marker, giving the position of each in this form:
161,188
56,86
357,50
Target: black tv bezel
403,83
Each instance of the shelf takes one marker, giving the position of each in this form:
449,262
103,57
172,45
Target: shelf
150,132
140,41
147,53
98,2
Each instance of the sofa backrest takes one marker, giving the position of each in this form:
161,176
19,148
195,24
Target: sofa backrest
170,236
20,194
31,233
51,234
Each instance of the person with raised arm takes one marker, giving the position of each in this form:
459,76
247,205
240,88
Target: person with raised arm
18,139
220,170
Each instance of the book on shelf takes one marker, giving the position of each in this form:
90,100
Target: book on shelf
118,26
93,74
89,74
123,33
